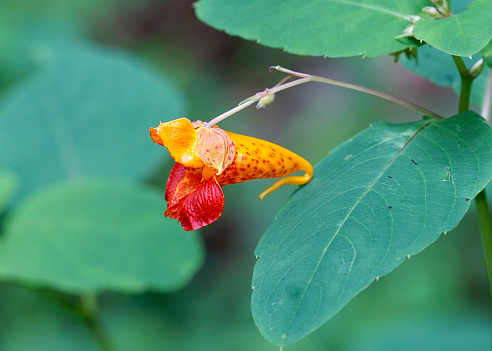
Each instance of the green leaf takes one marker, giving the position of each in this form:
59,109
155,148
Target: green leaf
87,112
439,68
384,195
462,35
8,184
97,235
312,27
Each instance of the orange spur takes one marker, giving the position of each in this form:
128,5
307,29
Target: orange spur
210,158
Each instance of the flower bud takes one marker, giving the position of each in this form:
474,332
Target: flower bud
431,10
265,100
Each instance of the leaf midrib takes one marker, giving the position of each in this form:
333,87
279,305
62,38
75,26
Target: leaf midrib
370,7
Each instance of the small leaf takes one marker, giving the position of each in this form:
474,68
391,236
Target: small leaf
97,235
385,194
313,27
462,35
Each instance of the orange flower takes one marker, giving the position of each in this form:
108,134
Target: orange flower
210,158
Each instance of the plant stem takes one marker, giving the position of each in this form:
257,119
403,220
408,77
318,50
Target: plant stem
86,309
306,78
484,219
466,84
488,99
89,308
486,231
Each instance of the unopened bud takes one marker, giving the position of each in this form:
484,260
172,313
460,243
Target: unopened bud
431,10
407,32
265,100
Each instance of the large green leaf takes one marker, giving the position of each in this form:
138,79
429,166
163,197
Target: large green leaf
28,24
384,195
97,235
86,112
439,68
463,35
313,27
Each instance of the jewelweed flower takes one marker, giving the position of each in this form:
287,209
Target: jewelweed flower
209,158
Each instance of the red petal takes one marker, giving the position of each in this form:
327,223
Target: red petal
202,207
192,202
177,174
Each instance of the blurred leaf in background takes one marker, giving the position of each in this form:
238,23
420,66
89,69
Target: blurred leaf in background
112,69
85,112
8,185
96,236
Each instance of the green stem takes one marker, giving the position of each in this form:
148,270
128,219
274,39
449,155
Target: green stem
466,84
486,231
86,309
89,309
484,219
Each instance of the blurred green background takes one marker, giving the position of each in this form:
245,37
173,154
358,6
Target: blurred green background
81,186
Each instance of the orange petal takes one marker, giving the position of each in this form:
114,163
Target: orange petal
192,202
155,137
215,148
256,158
179,137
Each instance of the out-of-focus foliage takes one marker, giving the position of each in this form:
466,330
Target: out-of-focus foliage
92,236
81,105
147,52
8,184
